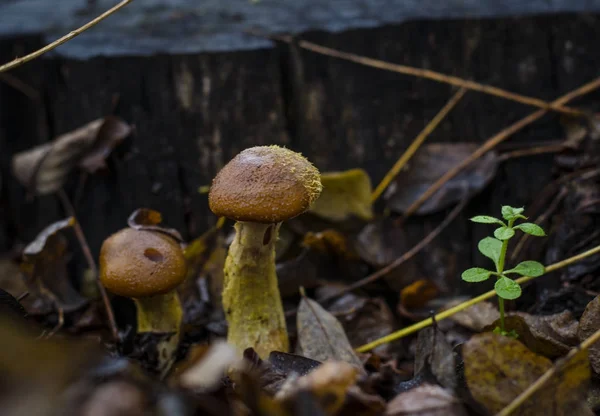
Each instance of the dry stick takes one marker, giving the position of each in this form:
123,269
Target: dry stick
20,61
547,376
493,142
19,85
402,259
451,311
425,73
90,260
414,146
539,150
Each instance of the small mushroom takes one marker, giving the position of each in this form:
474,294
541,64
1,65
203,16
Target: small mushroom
147,266
260,188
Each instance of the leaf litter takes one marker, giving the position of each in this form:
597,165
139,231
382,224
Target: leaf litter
435,372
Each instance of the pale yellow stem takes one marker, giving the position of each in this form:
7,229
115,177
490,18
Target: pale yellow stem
251,298
160,313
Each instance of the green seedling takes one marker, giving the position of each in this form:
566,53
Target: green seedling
495,249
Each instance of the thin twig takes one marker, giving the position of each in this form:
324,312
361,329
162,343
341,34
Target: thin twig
20,86
424,73
451,311
539,150
493,142
547,376
24,59
90,261
414,146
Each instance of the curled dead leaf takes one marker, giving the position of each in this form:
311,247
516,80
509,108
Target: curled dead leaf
149,219
44,169
345,194
476,317
45,272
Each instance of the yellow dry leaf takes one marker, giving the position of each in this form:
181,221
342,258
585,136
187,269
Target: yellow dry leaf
344,194
499,368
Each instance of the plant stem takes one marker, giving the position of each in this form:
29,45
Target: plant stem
500,270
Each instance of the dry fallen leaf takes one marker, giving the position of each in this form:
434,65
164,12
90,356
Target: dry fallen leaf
544,335
499,368
330,242
364,319
44,267
321,336
345,194
328,383
418,293
149,219
428,165
434,356
45,168
588,324
425,400
476,317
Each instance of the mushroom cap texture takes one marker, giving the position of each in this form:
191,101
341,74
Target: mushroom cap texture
265,184
139,263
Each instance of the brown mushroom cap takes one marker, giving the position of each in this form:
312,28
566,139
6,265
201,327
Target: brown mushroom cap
265,184
139,263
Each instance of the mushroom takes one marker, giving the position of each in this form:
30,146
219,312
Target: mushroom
260,188
147,266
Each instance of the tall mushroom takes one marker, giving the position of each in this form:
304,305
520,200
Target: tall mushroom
147,266
260,188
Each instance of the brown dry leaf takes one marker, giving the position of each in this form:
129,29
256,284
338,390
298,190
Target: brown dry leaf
364,319
345,194
425,400
476,317
149,219
321,336
418,293
44,267
330,241
45,168
434,356
499,368
111,134
544,335
588,324
428,165
328,383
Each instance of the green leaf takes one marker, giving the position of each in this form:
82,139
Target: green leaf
507,288
491,248
528,268
503,233
485,219
531,229
476,274
510,213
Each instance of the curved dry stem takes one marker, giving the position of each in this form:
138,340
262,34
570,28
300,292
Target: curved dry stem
251,298
449,312
24,59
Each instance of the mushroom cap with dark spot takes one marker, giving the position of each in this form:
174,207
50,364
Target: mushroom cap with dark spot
139,263
265,184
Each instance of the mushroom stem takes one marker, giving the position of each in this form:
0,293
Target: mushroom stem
159,313
251,298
